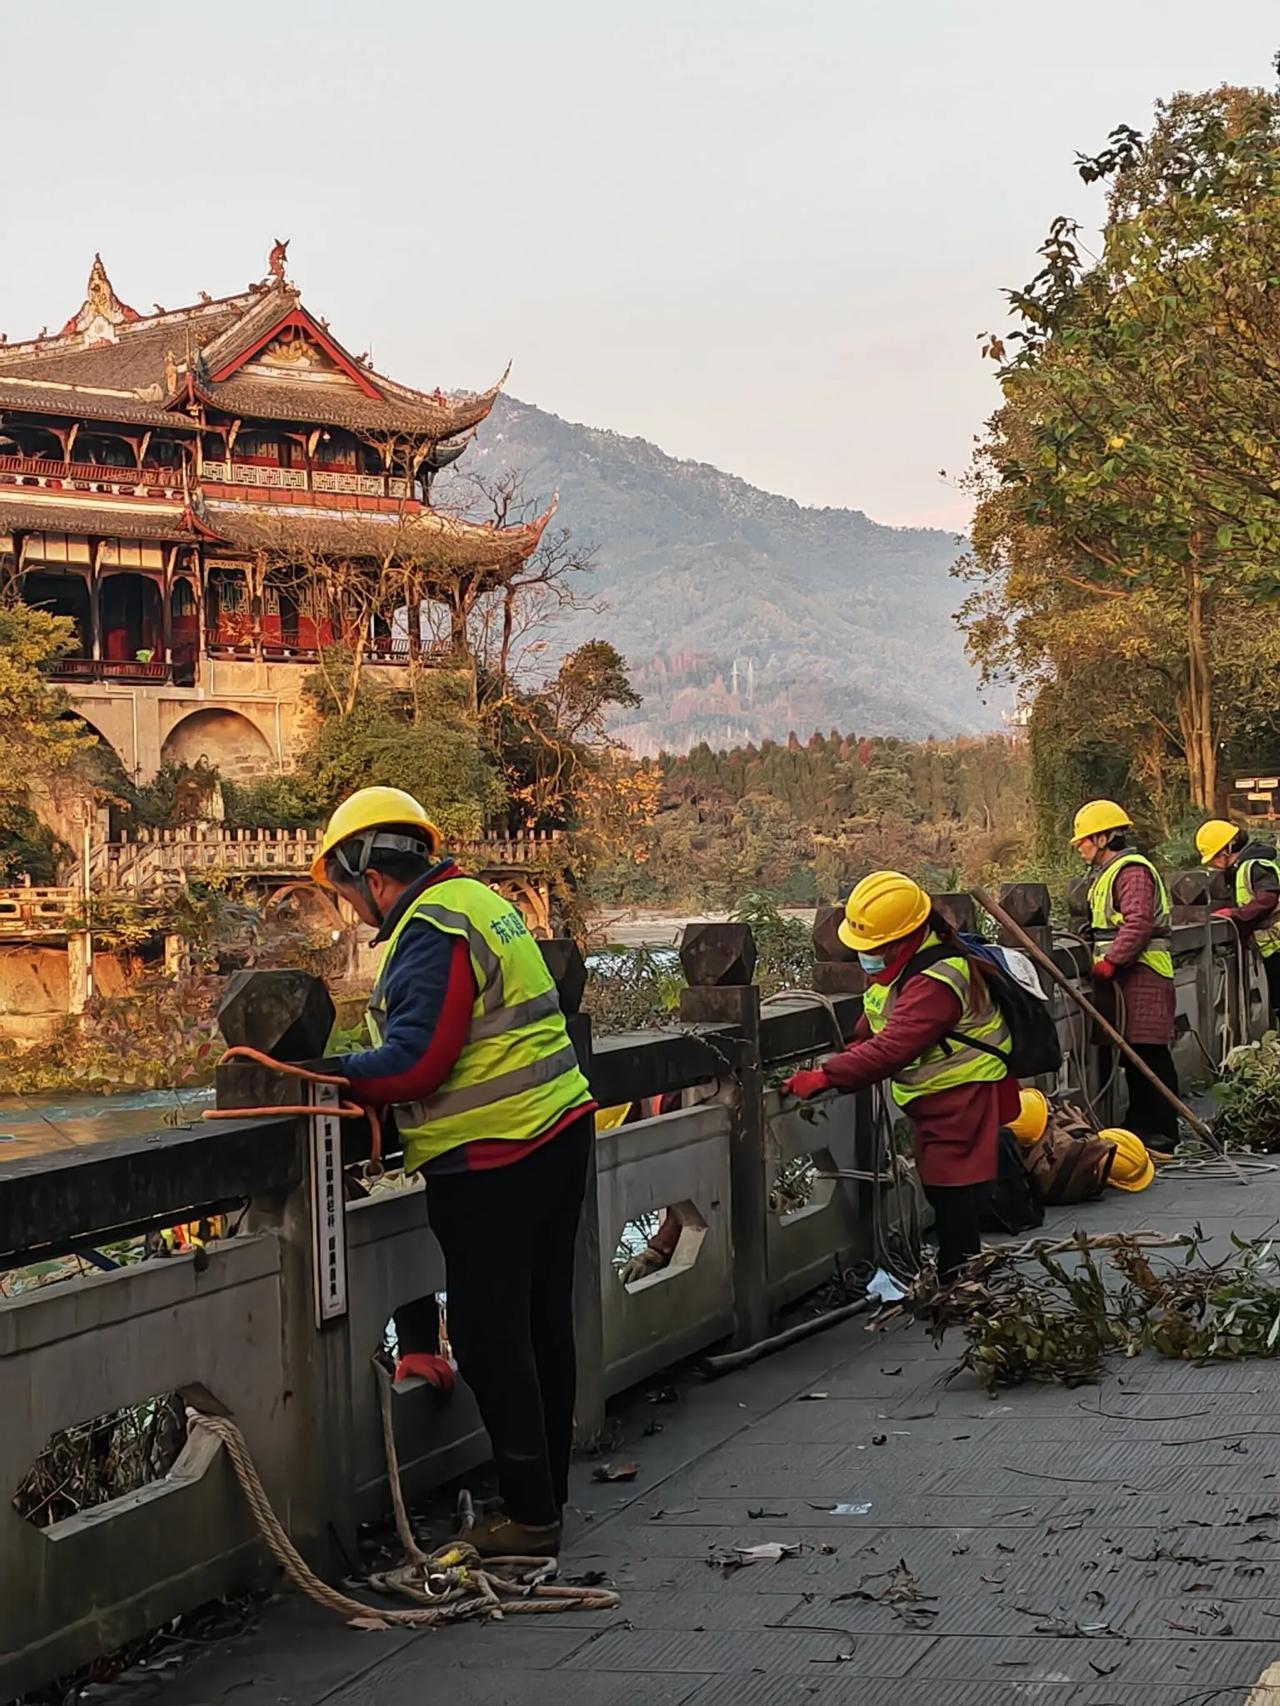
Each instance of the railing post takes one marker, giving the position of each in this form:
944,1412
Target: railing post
1192,896
569,972
288,1015
719,962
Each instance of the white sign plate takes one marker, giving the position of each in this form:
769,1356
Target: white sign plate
328,1210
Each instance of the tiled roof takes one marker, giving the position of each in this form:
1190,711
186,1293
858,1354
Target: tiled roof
114,522
144,361
427,537
286,400
23,395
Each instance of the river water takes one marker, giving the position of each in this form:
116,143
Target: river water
38,1124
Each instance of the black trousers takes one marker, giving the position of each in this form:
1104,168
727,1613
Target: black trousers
508,1236
957,1213
1271,965
1149,1114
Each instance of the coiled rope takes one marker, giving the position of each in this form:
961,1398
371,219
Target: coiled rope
450,1584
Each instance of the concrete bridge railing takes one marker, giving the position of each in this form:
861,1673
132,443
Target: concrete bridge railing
261,1327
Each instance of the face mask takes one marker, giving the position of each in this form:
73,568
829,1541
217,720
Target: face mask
871,962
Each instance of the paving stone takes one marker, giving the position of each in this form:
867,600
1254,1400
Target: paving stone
414,1683
784,1651
1197,1664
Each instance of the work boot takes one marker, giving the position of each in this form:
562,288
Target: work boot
500,1536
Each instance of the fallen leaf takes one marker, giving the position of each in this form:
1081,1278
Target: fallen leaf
812,1397
615,1472
762,1512
770,1553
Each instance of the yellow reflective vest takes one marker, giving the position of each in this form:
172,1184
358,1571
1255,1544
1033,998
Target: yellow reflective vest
517,1072
1267,936
1106,920
953,1060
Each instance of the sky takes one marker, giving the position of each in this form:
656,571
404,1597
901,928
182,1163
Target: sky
764,234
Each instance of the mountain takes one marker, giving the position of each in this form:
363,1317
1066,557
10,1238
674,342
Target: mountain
744,615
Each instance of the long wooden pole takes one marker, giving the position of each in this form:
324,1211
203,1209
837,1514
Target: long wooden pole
1064,983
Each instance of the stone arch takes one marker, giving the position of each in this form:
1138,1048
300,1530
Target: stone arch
306,903
225,739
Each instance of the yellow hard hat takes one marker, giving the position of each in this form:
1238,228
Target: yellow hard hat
1097,817
369,809
1132,1169
1033,1116
882,908
1213,838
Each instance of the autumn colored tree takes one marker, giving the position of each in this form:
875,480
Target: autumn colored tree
1128,517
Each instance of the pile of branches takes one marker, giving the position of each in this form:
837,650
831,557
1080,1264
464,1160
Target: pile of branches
103,1459
1052,1311
1248,1096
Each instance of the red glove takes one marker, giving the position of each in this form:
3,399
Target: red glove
1103,972
806,1084
1224,912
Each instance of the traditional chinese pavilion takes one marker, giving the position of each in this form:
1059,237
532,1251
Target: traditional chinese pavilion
200,490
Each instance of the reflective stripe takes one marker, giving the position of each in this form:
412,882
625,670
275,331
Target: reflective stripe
1106,921
1266,938
511,1018
460,925
967,1055
955,979
960,1054
506,1084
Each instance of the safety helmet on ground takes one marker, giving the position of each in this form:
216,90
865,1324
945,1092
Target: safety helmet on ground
1213,838
1097,817
1033,1117
883,908
370,814
1132,1169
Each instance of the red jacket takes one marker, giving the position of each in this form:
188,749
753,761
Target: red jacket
955,1131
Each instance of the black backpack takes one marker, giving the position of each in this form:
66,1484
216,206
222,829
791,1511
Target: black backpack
1013,1205
1036,1048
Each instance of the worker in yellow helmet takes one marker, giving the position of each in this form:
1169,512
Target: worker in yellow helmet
1129,921
1255,877
472,1054
929,1027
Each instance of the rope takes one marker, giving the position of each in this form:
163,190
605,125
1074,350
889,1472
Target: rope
450,1584
904,1268
288,1069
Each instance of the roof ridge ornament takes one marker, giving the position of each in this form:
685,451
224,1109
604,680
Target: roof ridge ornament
276,261
102,312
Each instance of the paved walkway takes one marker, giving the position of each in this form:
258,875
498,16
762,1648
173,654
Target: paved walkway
1109,1546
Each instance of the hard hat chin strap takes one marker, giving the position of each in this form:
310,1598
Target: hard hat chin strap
353,855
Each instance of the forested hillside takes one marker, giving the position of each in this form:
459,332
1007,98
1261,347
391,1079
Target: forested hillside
804,821
743,615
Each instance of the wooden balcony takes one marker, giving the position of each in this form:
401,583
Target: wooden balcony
91,477
111,669
328,482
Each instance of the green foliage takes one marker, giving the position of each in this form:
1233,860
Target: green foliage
37,734
784,946
630,989
1248,1096
803,822
160,1036
27,848
177,794
1129,518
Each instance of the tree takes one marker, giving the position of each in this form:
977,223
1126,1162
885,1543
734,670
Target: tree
39,736
1128,517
